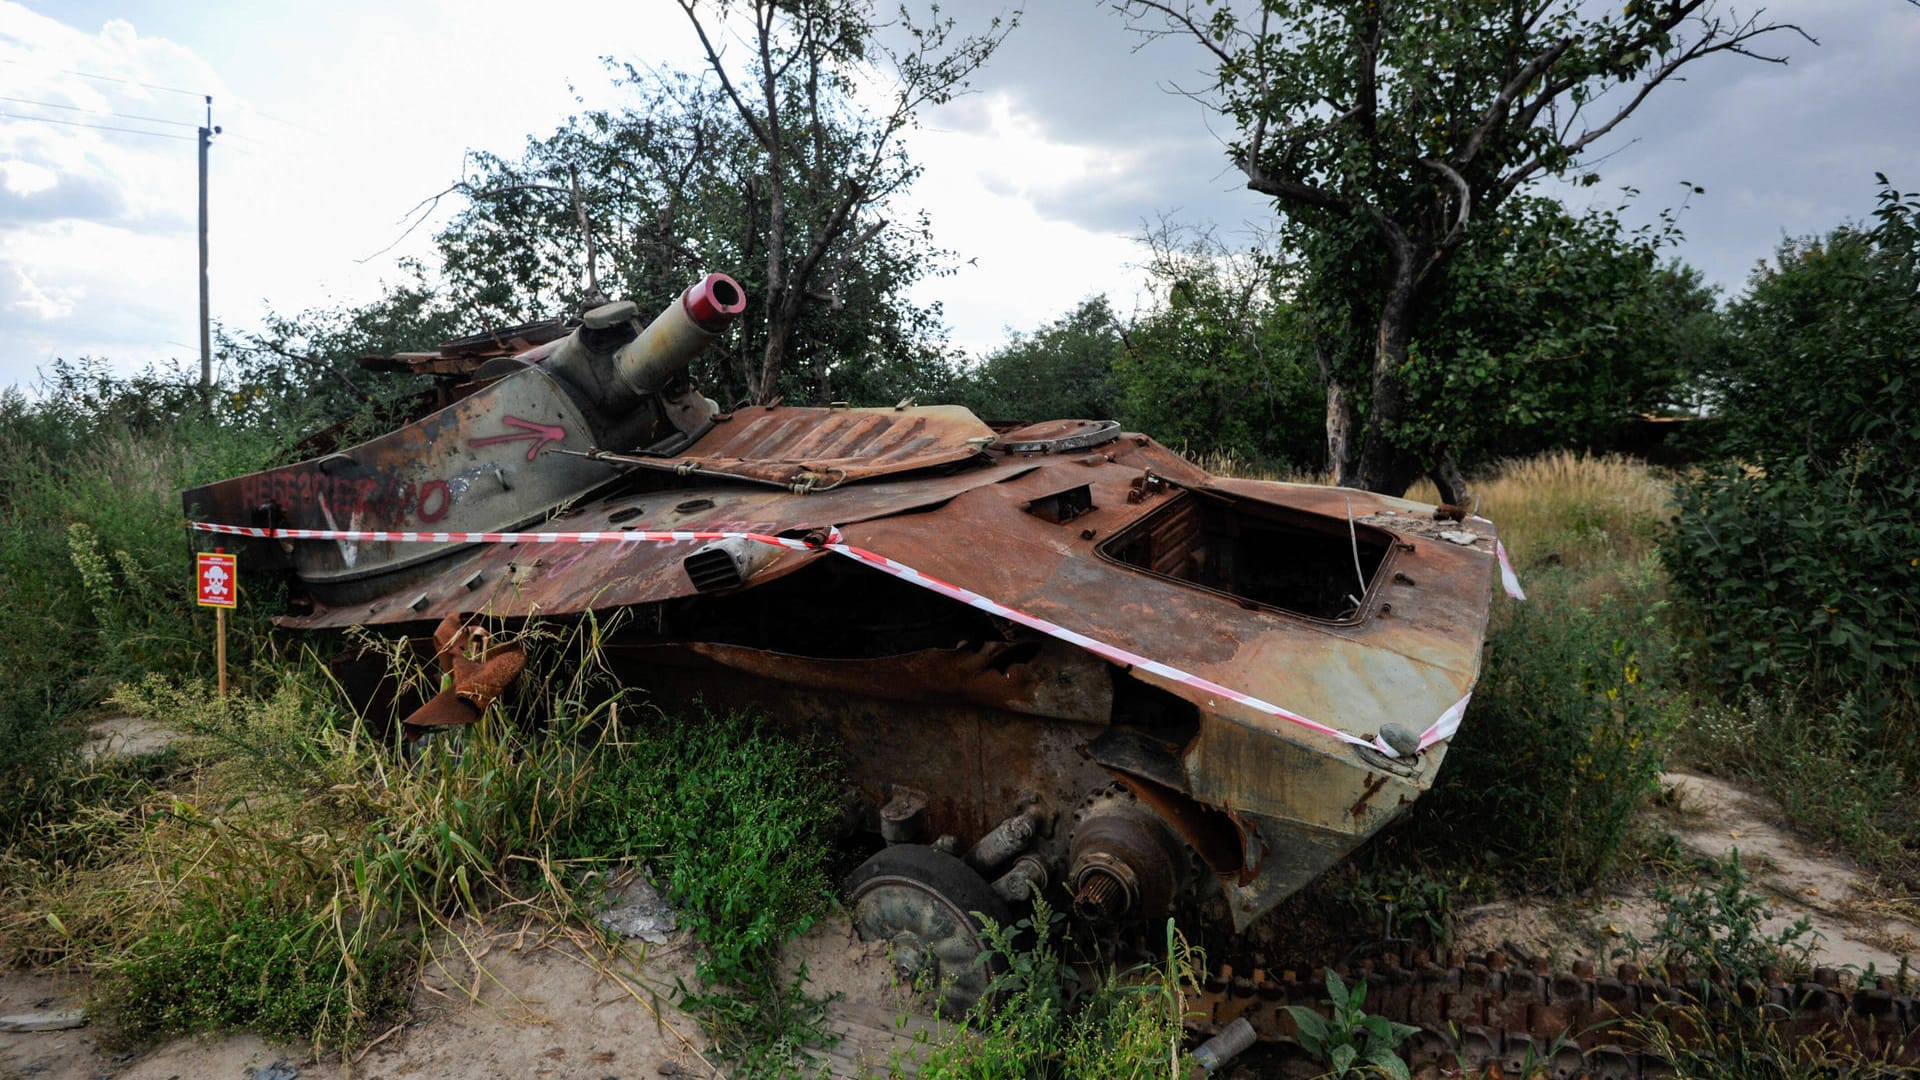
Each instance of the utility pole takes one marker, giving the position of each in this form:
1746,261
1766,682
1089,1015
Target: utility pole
207,133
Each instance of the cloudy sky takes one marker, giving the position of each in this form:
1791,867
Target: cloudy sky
339,118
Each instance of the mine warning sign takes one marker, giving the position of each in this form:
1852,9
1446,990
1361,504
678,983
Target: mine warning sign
219,578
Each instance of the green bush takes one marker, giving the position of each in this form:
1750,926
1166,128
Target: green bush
1802,561
1565,740
1807,579
228,963
734,822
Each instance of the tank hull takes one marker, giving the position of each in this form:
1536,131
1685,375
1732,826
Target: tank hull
1067,624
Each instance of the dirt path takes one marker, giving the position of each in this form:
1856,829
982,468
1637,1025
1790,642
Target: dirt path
1710,818
533,1006
501,1004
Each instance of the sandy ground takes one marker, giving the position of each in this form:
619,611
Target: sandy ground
532,1006
1711,818
519,1002
500,1003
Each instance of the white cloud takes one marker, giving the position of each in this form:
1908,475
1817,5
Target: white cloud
28,178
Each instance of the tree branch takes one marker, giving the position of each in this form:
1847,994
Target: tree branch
1515,86
1459,230
1182,19
720,69
1291,190
1712,40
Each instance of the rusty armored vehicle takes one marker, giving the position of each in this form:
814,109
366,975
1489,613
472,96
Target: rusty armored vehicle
1055,658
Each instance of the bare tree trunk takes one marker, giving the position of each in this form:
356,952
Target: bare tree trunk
1446,476
1342,462
1341,419
766,383
1383,466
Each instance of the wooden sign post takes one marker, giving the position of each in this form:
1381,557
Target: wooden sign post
218,576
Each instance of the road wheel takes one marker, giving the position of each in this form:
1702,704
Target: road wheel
923,904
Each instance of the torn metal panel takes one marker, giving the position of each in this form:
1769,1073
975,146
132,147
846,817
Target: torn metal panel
838,445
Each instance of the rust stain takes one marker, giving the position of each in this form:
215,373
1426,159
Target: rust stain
1373,785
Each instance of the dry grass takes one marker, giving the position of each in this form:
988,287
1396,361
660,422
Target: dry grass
1577,510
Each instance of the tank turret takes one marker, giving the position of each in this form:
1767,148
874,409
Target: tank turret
631,380
494,460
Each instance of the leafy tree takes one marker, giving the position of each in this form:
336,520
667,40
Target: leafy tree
1554,334
1802,556
1391,132
1220,366
1062,370
769,169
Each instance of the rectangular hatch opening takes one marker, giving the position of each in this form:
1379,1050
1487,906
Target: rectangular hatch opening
1256,553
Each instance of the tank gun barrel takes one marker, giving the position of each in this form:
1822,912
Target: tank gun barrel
675,336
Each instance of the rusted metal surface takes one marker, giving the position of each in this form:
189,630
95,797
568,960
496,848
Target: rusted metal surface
836,446
1243,584
475,671
462,357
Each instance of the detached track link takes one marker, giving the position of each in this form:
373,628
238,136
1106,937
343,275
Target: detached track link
1496,1016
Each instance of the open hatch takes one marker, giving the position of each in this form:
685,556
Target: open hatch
1259,554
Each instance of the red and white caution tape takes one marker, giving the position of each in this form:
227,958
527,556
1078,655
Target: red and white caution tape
1441,729
392,537
1509,580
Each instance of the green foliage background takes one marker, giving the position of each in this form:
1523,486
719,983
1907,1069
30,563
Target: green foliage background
1800,555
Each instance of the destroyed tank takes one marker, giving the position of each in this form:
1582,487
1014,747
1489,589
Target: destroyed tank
1054,659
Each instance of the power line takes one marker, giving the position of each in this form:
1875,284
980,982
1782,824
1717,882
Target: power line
107,78
98,112
100,127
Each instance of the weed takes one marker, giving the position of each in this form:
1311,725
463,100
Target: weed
1410,903
1816,762
1045,1018
733,819
1565,741
219,966
1723,1041
1719,928
1351,1039
305,846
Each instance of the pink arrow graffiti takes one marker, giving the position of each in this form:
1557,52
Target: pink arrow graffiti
541,434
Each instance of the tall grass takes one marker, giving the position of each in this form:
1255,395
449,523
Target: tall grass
346,848
1581,689
94,575
1570,509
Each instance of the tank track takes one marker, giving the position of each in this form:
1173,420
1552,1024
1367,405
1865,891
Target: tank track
1490,1016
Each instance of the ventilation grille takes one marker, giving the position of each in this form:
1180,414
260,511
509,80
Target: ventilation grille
713,569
